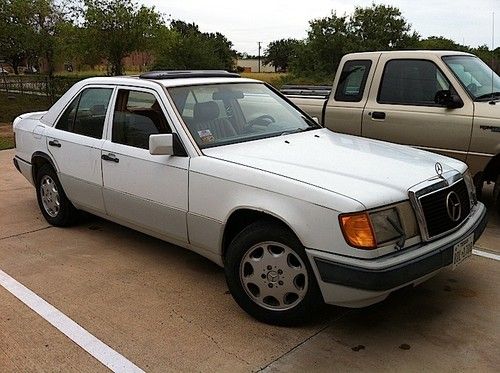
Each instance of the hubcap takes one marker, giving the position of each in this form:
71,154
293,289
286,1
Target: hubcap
273,276
50,196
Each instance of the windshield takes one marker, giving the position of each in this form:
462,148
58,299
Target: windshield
221,114
475,76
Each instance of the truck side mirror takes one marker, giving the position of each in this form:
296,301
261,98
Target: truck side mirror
448,99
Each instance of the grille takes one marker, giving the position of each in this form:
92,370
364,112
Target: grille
435,209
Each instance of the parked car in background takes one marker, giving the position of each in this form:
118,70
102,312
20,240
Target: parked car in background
441,101
29,70
296,214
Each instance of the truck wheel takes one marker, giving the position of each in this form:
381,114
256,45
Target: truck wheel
269,275
496,194
55,206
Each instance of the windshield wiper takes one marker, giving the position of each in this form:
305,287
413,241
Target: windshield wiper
488,96
297,130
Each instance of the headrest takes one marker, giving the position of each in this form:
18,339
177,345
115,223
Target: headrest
205,111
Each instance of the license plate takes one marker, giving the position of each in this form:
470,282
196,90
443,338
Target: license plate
462,250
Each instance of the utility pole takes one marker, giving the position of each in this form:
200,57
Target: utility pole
259,54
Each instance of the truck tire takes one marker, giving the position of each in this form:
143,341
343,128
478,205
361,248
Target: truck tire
56,208
496,194
269,275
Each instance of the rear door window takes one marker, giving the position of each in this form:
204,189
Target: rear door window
86,113
352,82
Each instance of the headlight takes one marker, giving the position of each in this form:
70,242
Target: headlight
371,229
387,225
471,188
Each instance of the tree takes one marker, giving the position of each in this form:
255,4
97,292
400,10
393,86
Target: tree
118,28
279,53
381,27
328,39
440,43
28,30
184,46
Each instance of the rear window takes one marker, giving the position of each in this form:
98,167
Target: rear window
351,85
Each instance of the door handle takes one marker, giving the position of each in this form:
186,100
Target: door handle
55,143
380,115
110,157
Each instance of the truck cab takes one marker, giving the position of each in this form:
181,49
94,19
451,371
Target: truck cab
441,101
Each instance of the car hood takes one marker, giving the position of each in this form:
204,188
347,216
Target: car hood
372,172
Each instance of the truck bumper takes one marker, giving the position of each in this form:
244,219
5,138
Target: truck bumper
355,282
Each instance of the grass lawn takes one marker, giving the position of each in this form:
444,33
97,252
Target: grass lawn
266,77
13,105
6,136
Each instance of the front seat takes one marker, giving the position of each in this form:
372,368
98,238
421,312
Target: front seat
206,117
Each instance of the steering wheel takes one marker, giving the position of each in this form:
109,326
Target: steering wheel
263,120
472,88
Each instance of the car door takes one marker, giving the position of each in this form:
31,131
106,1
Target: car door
401,108
75,144
147,191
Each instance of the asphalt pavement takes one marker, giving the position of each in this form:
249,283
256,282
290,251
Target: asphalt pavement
137,300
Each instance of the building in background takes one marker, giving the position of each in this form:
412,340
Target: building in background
251,65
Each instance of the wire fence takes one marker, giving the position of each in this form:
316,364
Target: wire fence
42,85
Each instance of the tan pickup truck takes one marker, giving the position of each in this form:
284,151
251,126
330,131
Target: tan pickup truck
441,101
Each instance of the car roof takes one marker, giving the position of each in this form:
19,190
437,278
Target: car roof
136,80
50,117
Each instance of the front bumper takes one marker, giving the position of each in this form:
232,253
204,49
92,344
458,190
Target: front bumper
364,282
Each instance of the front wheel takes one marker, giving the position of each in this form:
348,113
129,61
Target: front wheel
54,205
496,194
269,275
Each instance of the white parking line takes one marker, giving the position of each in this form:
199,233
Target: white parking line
486,254
98,349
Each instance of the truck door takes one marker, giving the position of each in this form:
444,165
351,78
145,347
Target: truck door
402,107
344,109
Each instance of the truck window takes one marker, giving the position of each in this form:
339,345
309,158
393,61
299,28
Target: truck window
352,80
411,82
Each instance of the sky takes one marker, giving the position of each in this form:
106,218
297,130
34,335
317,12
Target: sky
245,23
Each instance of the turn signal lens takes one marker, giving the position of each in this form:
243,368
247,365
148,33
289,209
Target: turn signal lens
358,231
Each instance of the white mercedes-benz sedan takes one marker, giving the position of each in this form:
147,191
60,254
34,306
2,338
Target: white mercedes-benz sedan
229,168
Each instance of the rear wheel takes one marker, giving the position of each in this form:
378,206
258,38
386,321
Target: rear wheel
54,205
269,275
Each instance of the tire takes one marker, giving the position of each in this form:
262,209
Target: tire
270,277
496,194
54,205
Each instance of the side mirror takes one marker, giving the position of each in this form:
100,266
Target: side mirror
166,144
448,99
162,144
